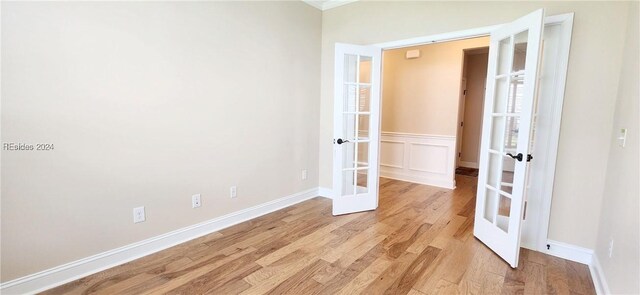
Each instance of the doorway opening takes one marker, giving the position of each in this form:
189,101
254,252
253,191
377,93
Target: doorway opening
357,106
472,90
432,103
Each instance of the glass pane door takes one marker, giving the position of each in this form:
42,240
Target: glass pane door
356,130
506,134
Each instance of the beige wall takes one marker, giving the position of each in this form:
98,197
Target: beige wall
594,69
476,74
620,219
421,95
148,103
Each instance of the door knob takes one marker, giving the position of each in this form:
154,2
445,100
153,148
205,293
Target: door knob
517,157
340,141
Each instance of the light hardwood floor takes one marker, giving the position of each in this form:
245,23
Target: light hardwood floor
419,241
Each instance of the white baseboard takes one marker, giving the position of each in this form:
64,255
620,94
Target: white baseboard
569,252
419,179
62,274
326,192
468,164
597,274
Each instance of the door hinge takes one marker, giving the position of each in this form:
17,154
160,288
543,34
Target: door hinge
459,155
464,92
461,124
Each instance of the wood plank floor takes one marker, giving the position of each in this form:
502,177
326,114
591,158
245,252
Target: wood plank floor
419,241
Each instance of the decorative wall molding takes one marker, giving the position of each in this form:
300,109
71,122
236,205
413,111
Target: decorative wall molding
65,273
420,158
468,164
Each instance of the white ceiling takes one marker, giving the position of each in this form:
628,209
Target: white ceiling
327,4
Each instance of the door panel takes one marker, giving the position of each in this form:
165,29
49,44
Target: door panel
356,128
511,85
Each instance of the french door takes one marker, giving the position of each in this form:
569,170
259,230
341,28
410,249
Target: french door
514,54
356,128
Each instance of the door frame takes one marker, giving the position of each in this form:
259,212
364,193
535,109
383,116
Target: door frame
462,101
538,240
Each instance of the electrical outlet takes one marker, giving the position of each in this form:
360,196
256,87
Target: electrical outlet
622,139
233,191
195,201
138,214
611,248
304,174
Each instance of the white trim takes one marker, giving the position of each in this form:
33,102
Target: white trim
416,135
468,164
65,273
445,37
325,192
419,179
597,276
566,21
464,34
327,4
569,252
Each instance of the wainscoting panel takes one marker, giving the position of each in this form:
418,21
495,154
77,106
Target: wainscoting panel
419,158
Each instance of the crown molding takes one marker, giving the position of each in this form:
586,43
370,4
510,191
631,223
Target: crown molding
327,4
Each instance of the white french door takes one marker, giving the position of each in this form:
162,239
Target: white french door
356,128
514,54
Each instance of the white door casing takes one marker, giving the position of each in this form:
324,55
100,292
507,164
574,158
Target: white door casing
356,128
514,54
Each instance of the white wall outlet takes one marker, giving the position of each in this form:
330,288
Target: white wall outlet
138,214
622,139
195,201
611,248
233,191
304,174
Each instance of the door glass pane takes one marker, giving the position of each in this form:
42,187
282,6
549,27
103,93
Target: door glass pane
363,181
365,69
348,180
508,168
511,134
520,51
363,127
363,154
350,97
350,68
504,48
497,131
504,211
363,100
515,95
501,94
348,155
493,177
507,187
349,127
491,201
